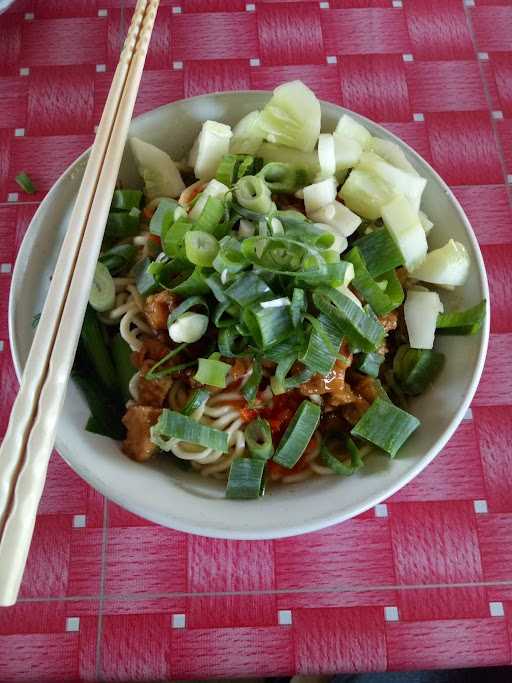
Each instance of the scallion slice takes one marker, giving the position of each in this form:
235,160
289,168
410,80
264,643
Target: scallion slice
201,248
370,289
173,425
338,467
267,326
103,290
298,306
323,344
386,426
25,182
196,400
253,194
258,438
173,239
153,372
283,178
212,372
121,224
468,321
227,169
120,257
125,200
416,369
228,338
250,388
191,302
248,288
369,363
297,435
163,217
379,252
211,215
245,478
360,329
144,279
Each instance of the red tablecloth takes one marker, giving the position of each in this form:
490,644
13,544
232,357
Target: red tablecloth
422,581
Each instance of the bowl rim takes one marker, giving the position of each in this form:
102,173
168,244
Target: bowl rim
313,523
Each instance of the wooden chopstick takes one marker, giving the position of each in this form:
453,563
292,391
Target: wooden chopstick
30,435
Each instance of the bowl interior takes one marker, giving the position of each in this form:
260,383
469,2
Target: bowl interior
164,494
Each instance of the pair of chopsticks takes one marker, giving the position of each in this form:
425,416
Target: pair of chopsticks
30,435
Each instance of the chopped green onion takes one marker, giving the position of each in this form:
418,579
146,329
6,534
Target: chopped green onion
232,311
25,182
416,369
214,283
468,321
201,248
368,363
250,388
144,279
185,306
249,165
173,239
288,347
363,282
230,257
227,169
189,327
172,425
152,372
380,252
212,372
360,329
298,307
96,350
102,296
248,288
323,344
258,438
252,193
285,178
163,217
125,200
210,216
119,258
188,283
197,399
338,467
245,478
297,435
228,337
122,357
35,320
386,426
121,224
105,414
267,325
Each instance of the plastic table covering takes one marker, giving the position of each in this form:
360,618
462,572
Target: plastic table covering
422,581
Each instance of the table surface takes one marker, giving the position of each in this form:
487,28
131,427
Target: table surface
422,581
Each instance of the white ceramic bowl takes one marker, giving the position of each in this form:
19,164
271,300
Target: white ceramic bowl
185,501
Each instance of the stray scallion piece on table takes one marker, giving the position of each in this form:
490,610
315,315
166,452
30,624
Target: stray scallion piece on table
271,319
25,182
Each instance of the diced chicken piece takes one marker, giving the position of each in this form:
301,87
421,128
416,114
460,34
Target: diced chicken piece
138,420
157,308
239,368
333,382
389,321
152,392
152,349
364,386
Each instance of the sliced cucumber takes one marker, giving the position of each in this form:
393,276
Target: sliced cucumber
365,194
158,171
420,311
350,128
326,155
292,117
391,153
347,152
447,266
247,134
406,230
210,146
103,291
339,217
399,181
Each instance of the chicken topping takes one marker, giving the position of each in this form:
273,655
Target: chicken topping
153,392
138,420
157,308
